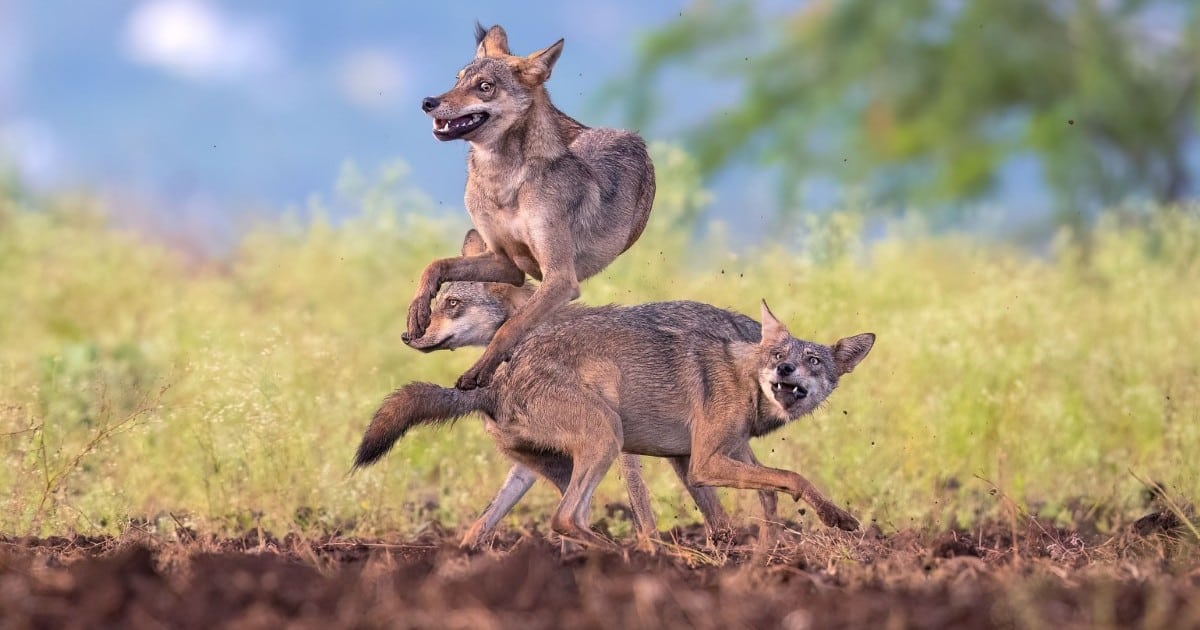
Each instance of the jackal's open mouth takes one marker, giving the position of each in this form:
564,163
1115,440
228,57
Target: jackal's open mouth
788,394
454,128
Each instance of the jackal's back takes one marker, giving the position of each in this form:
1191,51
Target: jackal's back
625,175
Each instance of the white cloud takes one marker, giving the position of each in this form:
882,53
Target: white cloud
372,78
195,40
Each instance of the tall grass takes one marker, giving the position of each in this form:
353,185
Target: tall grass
136,386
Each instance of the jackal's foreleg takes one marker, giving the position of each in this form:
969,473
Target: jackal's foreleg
715,518
488,267
559,287
718,469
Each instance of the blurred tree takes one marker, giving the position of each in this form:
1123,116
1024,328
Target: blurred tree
925,100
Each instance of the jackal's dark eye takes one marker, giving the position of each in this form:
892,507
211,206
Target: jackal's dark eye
778,356
484,86
814,361
452,303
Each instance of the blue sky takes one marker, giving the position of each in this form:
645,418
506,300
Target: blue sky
189,113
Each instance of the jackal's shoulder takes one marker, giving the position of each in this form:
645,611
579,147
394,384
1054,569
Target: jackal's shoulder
610,142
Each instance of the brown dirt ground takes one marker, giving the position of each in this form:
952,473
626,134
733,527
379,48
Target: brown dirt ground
1018,574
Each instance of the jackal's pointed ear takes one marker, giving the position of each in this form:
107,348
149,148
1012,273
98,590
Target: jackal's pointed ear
536,68
513,298
473,244
848,352
492,42
773,330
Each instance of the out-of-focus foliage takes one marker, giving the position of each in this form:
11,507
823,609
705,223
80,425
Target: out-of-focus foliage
136,387
924,100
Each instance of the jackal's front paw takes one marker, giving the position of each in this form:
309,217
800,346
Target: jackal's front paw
466,381
833,516
419,314
480,374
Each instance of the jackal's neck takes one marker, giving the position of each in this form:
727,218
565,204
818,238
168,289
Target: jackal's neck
767,416
538,135
746,364
745,359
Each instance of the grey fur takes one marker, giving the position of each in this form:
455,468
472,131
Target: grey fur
468,314
653,379
551,197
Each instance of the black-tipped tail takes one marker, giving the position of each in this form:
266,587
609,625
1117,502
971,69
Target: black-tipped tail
411,405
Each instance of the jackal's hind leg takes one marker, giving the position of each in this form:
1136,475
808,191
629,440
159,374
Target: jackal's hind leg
593,455
554,467
520,479
559,286
639,501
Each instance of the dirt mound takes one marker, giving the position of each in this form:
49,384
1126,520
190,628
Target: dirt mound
986,577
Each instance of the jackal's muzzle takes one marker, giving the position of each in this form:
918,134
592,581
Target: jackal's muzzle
452,128
456,128
788,394
427,343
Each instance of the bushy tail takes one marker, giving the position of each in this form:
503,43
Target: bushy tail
413,404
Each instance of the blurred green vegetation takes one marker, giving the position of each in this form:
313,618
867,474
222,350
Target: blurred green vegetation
923,102
140,388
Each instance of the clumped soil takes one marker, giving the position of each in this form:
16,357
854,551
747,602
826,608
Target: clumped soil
1017,574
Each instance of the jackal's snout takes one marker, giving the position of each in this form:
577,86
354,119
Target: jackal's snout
428,342
451,118
796,382
788,394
